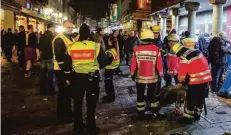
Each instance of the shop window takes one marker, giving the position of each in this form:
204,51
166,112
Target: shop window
21,20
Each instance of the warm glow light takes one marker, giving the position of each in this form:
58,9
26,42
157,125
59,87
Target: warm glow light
55,14
59,29
60,15
65,18
46,11
50,10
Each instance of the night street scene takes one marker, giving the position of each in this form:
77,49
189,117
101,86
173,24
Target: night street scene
115,67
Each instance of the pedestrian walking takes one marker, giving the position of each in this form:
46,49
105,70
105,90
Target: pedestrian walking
203,43
146,66
187,41
87,58
9,42
217,57
60,46
47,63
21,46
3,32
194,76
31,53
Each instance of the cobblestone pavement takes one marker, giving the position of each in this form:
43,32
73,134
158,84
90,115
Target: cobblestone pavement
25,112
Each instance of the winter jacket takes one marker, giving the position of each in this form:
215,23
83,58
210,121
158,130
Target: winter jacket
217,51
45,45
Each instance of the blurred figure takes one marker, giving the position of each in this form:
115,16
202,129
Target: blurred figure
113,62
9,42
30,50
47,63
182,35
129,44
21,46
98,38
217,56
187,41
75,36
203,43
121,40
3,32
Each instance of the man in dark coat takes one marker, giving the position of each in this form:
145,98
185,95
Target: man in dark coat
21,46
47,64
129,44
217,56
9,42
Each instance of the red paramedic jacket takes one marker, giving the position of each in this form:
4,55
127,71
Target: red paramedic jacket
146,63
194,65
173,64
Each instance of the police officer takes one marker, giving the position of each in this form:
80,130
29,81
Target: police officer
113,62
87,59
187,41
61,59
196,77
146,66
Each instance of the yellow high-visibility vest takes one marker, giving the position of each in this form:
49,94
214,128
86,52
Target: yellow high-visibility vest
67,43
84,56
189,43
116,61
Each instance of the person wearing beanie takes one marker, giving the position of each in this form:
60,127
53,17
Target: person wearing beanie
87,58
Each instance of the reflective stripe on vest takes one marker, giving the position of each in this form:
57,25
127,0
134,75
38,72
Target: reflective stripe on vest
189,43
84,56
67,43
116,61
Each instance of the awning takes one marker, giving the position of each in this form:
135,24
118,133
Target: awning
11,5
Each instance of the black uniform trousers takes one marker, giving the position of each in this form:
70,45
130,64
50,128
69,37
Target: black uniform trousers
195,99
64,111
108,80
151,96
82,84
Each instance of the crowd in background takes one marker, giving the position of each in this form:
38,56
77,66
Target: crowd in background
27,46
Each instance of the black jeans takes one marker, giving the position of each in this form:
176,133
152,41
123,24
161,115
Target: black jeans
217,71
128,58
47,77
8,53
82,84
64,97
108,80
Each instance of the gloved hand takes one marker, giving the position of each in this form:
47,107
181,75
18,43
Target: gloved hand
67,76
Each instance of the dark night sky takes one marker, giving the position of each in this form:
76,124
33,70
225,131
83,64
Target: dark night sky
95,9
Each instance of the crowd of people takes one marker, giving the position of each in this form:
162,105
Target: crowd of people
79,61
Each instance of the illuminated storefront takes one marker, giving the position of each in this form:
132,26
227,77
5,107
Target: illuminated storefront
21,20
2,18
